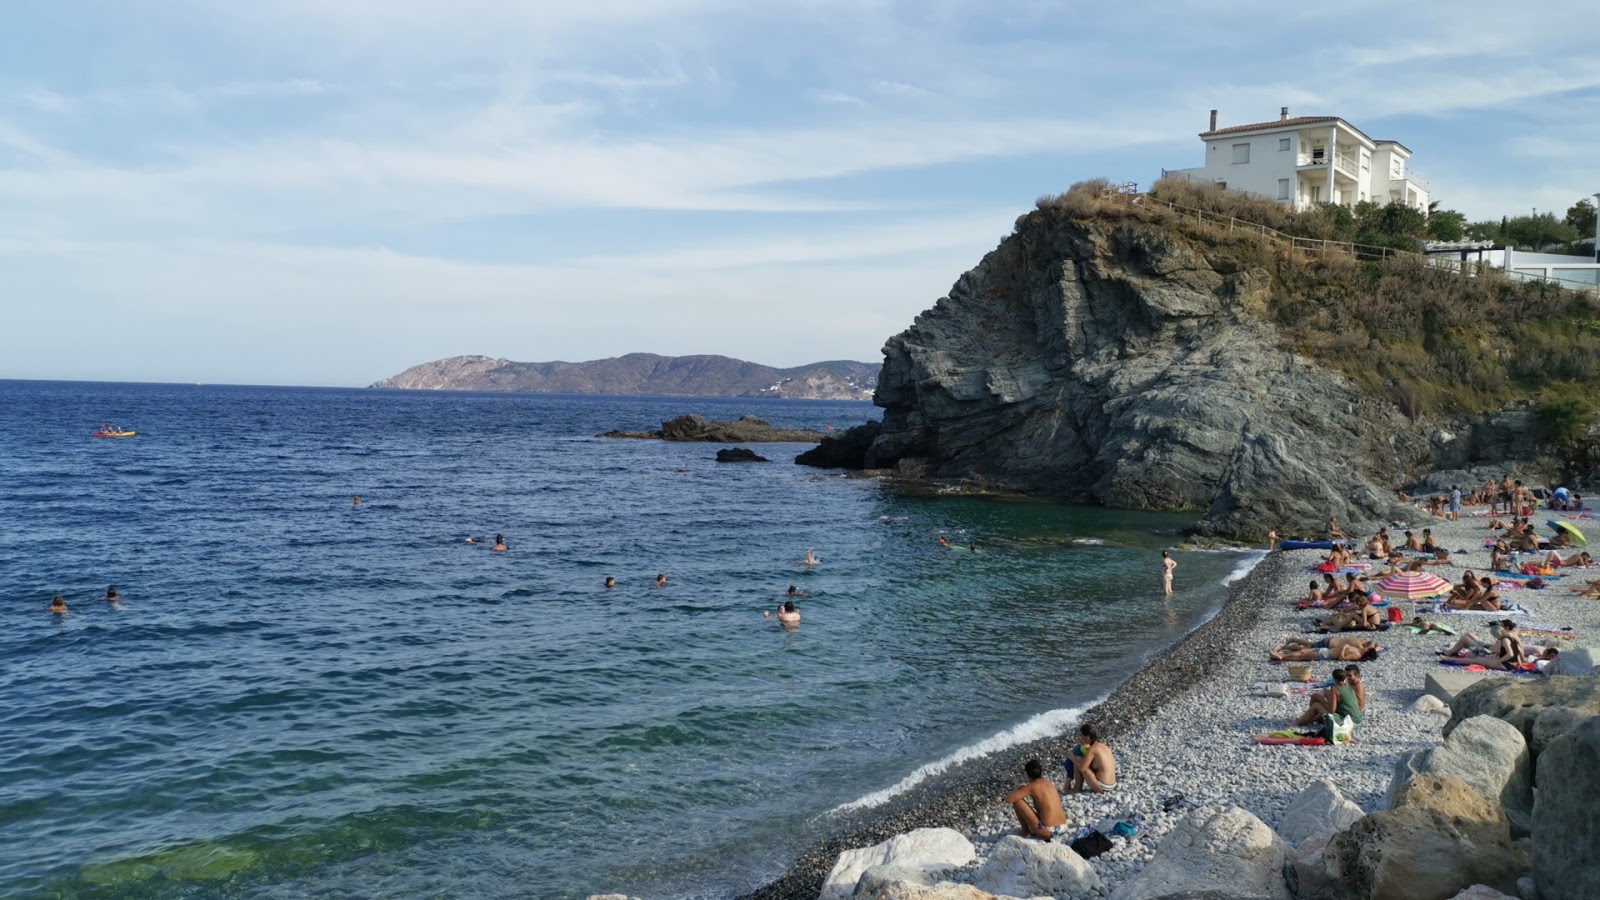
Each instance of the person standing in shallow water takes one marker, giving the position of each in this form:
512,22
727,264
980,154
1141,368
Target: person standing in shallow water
1167,565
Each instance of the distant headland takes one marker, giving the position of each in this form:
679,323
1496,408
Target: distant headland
645,373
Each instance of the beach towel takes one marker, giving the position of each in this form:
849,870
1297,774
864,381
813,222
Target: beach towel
1466,662
1506,585
1269,740
1525,576
1550,631
1509,609
1437,629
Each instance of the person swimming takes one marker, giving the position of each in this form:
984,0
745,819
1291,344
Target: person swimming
788,614
610,582
661,580
58,604
499,544
111,594
811,559
356,500
944,541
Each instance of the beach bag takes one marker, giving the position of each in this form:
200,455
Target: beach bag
1396,615
1338,729
1091,845
1299,672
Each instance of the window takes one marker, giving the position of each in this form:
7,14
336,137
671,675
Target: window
1241,153
1283,188
1283,143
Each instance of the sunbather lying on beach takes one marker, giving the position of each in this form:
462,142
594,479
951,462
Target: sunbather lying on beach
1581,560
1338,647
1093,766
1038,805
1591,590
1423,627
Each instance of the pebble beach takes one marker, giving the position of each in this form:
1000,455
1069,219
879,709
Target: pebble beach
1181,728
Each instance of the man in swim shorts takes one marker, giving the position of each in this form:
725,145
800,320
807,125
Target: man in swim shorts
1343,648
1044,819
1093,766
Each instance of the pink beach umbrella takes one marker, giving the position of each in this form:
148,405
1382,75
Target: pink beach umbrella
1412,585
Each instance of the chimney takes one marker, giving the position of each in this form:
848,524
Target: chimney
1283,113
1213,120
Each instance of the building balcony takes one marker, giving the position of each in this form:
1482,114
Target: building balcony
1342,164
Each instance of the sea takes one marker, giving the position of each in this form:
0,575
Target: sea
302,696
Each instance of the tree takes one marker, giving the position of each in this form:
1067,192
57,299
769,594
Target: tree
1581,218
1537,231
1447,225
1484,231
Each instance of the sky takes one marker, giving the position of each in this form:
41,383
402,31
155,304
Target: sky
326,192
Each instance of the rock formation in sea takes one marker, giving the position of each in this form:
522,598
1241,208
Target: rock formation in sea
693,428
1126,357
644,373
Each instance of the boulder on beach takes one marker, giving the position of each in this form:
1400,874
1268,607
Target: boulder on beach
1486,753
1566,816
1442,837
1318,810
1227,849
929,849
890,880
1573,661
739,454
944,890
1020,867
1482,892
1542,709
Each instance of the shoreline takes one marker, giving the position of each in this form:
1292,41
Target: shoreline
965,792
1181,726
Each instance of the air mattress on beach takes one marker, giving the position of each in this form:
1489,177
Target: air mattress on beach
1306,545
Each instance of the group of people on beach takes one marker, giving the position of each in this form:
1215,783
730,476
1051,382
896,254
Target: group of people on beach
1037,802
1505,652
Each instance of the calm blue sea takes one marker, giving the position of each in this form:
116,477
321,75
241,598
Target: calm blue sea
301,697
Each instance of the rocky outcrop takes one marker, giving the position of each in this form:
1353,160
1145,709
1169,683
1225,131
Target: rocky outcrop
1542,709
1227,850
746,430
846,450
1318,809
1441,837
929,849
1020,867
1487,754
1119,362
644,373
739,454
1566,816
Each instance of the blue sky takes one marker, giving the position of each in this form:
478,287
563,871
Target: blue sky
329,191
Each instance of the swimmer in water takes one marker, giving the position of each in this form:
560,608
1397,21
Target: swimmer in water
610,582
943,541
111,594
788,614
356,500
499,544
58,604
811,559
472,540
661,580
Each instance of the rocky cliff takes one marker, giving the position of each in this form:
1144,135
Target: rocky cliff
644,373
1118,360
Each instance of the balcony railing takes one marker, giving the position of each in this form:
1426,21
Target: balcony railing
1341,162
1411,176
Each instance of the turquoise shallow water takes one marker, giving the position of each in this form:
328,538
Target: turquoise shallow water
300,697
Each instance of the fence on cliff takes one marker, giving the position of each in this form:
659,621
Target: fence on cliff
1232,224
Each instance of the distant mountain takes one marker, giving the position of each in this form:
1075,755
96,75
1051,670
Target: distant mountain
644,373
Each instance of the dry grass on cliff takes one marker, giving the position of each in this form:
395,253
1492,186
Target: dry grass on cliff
1429,339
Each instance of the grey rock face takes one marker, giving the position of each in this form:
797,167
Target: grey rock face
739,454
847,450
1119,363
1566,816
1542,710
1487,754
744,430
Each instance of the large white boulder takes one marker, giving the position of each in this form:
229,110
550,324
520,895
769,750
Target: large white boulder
929,849
1318,810
1488,754
1227,850
1027,868
944,890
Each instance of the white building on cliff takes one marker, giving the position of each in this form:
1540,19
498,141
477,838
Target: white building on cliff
1307,160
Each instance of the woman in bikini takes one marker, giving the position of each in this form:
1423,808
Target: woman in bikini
1167,565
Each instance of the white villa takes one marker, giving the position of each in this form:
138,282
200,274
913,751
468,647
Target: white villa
1307,160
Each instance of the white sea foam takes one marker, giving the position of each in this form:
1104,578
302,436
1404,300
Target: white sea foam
1251,560
1043,725
1092,542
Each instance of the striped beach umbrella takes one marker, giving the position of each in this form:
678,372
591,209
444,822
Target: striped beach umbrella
1412,585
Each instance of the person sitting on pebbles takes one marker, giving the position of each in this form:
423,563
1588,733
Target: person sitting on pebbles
1044,818
1487,599
1338,700
1093,766
1342,648
1505,653
1364,617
